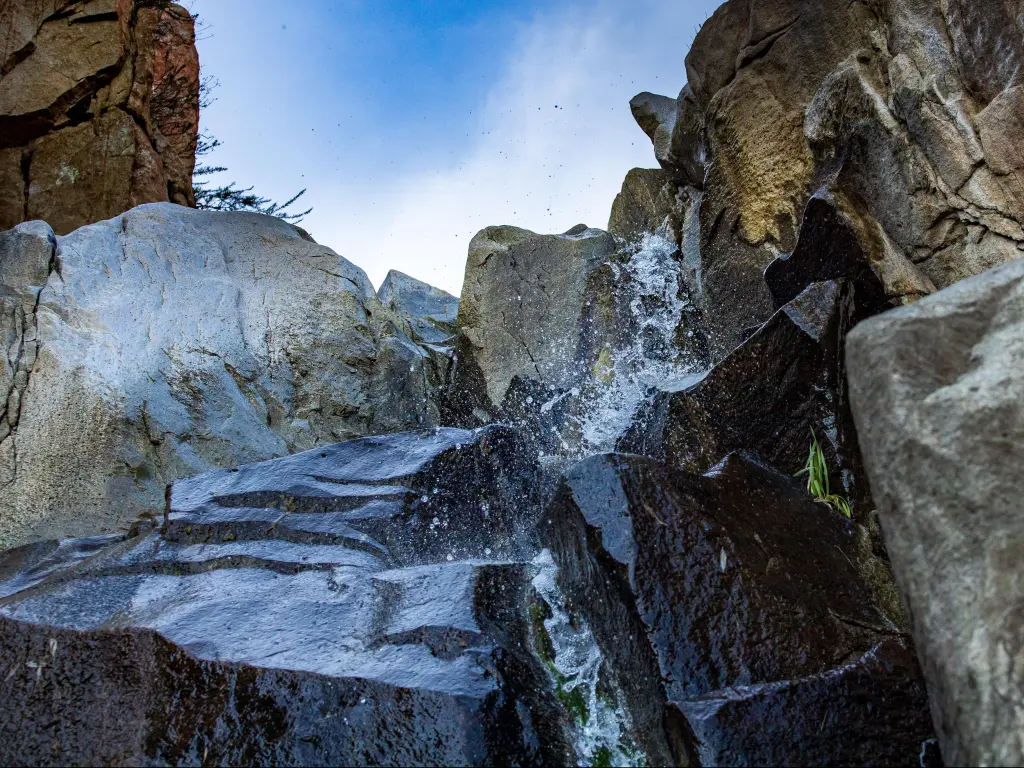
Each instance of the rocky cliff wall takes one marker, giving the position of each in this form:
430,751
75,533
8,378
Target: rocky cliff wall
908,116
99,109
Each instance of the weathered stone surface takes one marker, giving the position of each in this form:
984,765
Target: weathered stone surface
100,99
937,389
696,586
86,173
522,301
656,115
569,333
431,313
908,114
646,203
12,188
170,341
309,608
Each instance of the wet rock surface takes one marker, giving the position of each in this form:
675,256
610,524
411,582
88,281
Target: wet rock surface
777,389
366,603
169,342
937,390
701,584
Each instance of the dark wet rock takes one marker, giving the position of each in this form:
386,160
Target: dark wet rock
937,389
767,397
828,249
873,712
419,497
697,584
358,604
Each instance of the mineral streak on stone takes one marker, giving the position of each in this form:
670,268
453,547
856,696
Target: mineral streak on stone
171,341
937,389
310,610
99,109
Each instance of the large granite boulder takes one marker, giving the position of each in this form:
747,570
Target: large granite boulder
99,109
171,341
732,611
910,115
360,604
937,389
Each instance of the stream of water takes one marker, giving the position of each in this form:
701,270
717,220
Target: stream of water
648,292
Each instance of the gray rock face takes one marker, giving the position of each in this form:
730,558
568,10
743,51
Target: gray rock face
170,341
430,313
564,335
937,389
522,300
360,604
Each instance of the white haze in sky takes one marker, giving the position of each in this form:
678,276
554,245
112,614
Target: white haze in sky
546,149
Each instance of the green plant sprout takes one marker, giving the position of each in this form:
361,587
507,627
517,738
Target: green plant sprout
817,480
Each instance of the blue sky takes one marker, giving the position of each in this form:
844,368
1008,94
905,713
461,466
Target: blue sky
414,124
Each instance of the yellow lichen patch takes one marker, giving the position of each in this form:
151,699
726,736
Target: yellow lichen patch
604,368
760,147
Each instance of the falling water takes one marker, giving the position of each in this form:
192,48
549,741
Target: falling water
601,725
648,358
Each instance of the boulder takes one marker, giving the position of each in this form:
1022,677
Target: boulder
430,313
99,109
656,115
645,204
721,597
565,335
170,341
358,604
523,303
936,389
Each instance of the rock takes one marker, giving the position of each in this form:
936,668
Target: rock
309,607
936,391
431,313
809,721
522,305
86,173
564,335
12,188
656,115
785,383
907,116
171,341
644,205
832,246
733,585
99,109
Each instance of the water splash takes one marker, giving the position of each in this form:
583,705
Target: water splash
654,355
602,726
